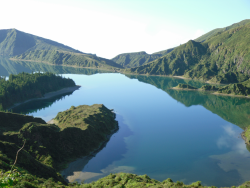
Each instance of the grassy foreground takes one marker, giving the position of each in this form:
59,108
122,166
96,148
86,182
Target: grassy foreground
49,147
119,180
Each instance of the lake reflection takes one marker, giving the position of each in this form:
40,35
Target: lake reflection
183,135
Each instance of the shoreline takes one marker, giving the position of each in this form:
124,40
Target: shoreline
211,92
230,95
184,89
178,77
48,95
67,171
63,65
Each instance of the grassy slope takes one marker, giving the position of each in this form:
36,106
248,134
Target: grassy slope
49,147
214,31
224,58
25,46
136,59
14,42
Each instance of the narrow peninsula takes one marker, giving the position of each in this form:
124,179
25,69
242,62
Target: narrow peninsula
24,87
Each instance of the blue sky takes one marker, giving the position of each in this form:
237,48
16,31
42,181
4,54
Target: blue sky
110,27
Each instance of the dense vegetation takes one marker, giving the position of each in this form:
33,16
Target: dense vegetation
23,86
24,46
223,58
79,131
237,89
242,88
136,59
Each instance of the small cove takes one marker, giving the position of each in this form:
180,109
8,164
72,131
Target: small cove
182,135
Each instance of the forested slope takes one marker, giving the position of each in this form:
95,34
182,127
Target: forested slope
25,86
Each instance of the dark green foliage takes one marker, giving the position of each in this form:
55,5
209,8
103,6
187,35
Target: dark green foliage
209,88
48,148
242,88
26,86
79,131
223,58
236,89
185,86
14,122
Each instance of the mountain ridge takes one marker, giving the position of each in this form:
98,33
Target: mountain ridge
27,47
223,58
135,59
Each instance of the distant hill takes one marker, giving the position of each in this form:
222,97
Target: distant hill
136,59
24,46
223,58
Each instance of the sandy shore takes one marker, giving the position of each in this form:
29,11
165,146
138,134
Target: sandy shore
49,95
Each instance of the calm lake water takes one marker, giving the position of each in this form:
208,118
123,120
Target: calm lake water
183,135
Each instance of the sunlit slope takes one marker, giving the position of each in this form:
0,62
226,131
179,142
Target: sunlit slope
56,57
136,59
24,46
14,42
214,31
224,58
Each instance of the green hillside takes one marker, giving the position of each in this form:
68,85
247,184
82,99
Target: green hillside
136,59
223,58
14,42
214,31
24,46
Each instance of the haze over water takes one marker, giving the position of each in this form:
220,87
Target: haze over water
183,135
